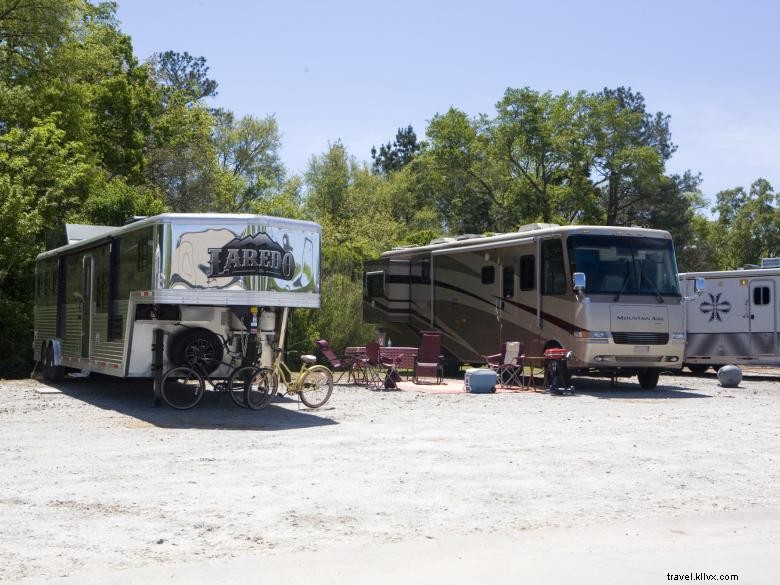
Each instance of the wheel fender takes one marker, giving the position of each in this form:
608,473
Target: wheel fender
56,346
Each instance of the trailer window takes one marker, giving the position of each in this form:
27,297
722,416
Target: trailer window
553,271
761,295
527,272
375,284
508,283
488,274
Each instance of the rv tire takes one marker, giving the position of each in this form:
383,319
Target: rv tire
197,343
648,379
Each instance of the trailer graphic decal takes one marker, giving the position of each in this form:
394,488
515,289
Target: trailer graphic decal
251,255
714,307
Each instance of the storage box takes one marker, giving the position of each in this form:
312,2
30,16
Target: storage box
480,380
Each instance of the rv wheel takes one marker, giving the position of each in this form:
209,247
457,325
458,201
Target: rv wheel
197,345
648,379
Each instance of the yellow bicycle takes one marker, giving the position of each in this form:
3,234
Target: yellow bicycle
312,383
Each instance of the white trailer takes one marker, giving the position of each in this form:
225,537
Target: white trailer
736,320
611,295
100,297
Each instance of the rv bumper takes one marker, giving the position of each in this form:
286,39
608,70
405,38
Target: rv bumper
605,354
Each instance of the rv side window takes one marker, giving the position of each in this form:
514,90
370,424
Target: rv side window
425,271
375,284
508,284
527,272
553,272
761,295
488,274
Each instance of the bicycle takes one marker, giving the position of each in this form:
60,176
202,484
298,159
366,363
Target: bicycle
313,383
183,387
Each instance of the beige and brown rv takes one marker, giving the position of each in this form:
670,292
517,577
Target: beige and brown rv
611,295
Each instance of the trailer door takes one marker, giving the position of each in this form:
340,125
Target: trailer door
762,317
87,286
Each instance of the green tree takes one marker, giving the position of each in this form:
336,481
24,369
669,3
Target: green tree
183,76
749,224
394,156
630,147
248,150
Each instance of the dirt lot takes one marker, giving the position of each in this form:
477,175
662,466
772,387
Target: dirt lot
96,479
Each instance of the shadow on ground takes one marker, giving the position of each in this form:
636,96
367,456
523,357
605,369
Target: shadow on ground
135,398
629,389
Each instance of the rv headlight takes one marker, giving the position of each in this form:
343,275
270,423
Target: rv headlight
591,334
678,336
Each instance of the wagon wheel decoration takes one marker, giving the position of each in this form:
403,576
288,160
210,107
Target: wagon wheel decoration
715,307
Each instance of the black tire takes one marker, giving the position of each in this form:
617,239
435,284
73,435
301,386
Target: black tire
197,345
697,369
182,388
316,386
358,374
51,373
254,386
648,379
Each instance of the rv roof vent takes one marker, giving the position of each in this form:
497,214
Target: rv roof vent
468,236
749,267
441,241
406,246
770,262
536,226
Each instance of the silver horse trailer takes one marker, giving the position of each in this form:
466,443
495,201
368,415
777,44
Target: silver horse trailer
737,320
610,295
199,278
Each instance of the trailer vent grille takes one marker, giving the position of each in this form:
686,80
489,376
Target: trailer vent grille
641,338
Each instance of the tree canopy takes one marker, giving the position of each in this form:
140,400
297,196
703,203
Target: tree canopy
91,135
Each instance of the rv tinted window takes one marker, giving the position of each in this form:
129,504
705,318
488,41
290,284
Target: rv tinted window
488,274
425,271
375,284
553,272
527,272
761,295
508,284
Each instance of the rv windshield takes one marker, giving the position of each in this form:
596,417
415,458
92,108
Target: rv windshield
625,265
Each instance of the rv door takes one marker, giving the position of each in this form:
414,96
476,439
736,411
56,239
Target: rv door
86,304
762,318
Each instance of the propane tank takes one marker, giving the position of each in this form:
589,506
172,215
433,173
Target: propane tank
267,336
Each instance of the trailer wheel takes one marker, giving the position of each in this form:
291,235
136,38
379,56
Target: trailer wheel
697,369
648,379
197,345
51,373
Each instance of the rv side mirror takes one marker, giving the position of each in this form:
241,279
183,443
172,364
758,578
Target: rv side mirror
579,280
699,285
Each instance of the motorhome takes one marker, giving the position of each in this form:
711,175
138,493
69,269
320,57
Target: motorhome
736,320
200,278
611,295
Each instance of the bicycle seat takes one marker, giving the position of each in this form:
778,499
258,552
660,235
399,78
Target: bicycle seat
308,359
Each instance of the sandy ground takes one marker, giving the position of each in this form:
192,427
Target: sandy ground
98,485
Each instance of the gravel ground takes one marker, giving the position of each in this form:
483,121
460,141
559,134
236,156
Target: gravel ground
95,478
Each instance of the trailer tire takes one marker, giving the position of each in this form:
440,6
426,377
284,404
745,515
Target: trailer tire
197,345
51,373
648,379
697,369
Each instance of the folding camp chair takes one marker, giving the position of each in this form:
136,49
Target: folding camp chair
428,363
349,365
509,364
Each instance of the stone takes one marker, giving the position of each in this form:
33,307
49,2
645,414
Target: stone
729,376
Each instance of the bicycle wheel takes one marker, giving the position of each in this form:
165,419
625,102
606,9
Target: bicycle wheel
182,388
249,387
316,386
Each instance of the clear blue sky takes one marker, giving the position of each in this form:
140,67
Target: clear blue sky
357,71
